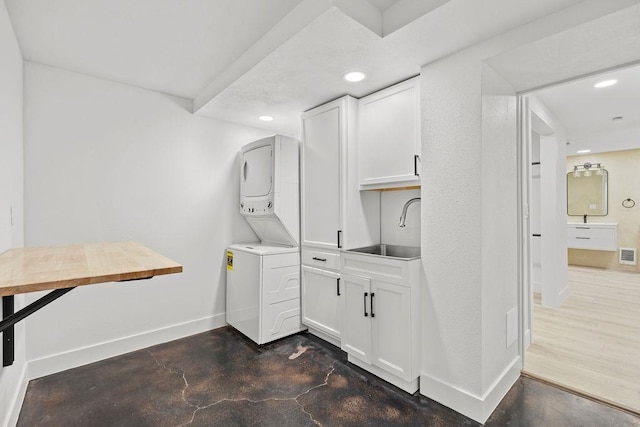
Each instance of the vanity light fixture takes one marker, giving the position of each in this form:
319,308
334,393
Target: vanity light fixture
587,168
266,118
355,76
583,151
605,83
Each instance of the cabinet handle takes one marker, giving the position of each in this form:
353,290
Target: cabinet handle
372,313
584,238
339,236
338,286
315,258
415,164
365,305
536,235
584,228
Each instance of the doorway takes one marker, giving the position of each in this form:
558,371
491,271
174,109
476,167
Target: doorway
584,337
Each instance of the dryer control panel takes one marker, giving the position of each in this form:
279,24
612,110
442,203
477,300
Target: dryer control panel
258,207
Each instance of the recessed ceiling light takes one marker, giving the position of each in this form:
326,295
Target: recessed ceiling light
605,83
355,76
266,118
583,151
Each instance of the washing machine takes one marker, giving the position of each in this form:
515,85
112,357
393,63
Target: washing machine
263,278
263,290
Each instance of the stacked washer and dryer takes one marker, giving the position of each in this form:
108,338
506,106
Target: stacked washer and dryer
263,278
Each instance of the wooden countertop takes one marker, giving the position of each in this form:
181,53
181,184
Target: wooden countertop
55,267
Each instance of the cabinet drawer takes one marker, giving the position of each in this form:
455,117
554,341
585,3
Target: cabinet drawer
596,237
321,259
594,233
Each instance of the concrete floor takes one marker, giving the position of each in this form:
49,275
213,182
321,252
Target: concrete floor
220,378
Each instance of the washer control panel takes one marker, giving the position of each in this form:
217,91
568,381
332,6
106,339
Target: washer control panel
262,207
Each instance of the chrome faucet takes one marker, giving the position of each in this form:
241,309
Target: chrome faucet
403,216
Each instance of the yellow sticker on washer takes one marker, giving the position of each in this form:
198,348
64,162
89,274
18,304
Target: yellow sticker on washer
229,260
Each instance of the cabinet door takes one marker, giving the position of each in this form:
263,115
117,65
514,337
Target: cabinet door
356,329
321,304
389,137
321,176
391,324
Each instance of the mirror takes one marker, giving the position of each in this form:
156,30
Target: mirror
587,194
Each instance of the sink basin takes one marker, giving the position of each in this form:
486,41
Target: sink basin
393,251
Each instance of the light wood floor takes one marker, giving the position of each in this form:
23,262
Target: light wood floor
591,344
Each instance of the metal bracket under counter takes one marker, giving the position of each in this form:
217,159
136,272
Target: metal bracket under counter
63,268
9,318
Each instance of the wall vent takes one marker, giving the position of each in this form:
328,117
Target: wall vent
627,256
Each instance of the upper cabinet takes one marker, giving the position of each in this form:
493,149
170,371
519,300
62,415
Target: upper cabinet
323,152
335,215
389,137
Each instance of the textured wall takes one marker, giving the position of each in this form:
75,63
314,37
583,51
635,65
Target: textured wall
452,222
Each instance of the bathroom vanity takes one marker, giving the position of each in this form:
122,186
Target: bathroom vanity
594,236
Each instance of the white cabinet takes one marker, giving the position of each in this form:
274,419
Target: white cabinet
389,137
334,213
356,339
381,322
593,236
321,176
322,291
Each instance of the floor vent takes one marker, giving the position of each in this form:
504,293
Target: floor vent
627,256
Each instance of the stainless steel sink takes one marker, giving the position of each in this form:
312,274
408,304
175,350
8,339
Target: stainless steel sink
393,251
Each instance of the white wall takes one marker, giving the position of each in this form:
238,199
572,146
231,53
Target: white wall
471,265
470,233
107,162
11,193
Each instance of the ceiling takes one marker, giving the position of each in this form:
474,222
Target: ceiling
238,59
587,113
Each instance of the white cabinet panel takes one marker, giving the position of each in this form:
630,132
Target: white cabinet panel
321,177
391,321
389,137
322,308
356,333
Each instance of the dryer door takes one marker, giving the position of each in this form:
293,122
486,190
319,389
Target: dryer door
256,172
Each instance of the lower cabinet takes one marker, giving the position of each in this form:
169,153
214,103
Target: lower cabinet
321,303
377,327
380,328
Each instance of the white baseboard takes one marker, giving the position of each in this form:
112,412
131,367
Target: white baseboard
478,408
81,356
11,419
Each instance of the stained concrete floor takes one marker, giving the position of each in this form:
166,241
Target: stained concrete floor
220,378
